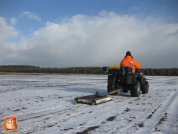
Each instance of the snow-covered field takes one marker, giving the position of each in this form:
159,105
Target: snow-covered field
43,104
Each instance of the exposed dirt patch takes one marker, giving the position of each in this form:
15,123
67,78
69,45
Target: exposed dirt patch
141,125
111,118
149,116
126,110
88,129
132,117
163,119
67,129
81,124
50,125
17,110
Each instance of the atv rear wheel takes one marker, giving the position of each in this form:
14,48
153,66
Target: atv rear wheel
135,91
145,88
111,87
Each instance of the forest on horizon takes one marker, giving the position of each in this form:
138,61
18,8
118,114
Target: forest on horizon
4,69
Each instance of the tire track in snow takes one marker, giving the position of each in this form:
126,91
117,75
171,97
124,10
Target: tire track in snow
56,120
77,110
163,109
133,122
82,113
104,111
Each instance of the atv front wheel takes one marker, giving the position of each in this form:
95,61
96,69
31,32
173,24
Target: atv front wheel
135,91
145,88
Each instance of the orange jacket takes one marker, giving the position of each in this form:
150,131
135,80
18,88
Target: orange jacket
128,61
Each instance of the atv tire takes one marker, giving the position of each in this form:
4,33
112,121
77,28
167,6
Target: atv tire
135,91
145,88
125,89
111,87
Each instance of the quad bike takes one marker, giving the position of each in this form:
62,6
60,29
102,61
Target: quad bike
123,79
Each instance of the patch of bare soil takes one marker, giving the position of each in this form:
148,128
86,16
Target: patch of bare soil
111,118
88,129
141,125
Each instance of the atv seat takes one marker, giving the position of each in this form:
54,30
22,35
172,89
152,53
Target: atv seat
127,76
126,70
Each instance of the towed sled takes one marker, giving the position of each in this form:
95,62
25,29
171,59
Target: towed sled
93,99
96,98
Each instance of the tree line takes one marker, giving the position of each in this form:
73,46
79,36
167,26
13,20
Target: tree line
80,70
35,69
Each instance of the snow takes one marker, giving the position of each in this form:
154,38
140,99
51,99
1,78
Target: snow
43,104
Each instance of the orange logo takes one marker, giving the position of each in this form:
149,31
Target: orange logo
11,124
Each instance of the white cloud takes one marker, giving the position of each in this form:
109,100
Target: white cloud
6,31
97,41
30,15
13,21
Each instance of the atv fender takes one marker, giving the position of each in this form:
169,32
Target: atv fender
111,78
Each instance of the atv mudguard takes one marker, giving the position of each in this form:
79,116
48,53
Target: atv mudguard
111,78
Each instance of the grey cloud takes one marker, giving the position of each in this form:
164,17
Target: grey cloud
97,41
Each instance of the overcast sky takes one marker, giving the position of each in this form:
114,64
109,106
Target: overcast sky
80,33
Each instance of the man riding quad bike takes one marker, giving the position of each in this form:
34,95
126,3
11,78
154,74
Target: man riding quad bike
127,76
